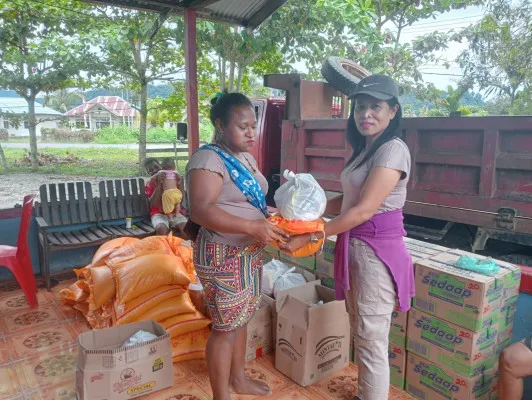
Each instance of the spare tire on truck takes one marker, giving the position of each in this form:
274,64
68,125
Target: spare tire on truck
343,74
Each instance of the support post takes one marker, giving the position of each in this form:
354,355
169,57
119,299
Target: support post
191,69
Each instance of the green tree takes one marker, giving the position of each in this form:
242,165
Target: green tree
62,100
140,48
157,112
451,102
499,57
43,48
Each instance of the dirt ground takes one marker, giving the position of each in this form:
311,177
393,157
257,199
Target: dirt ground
13,187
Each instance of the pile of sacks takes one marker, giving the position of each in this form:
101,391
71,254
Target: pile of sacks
132,280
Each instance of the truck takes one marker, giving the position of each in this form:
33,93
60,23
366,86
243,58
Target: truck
471,175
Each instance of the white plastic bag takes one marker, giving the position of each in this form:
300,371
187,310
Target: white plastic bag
300,197
288,280
270,273
139,337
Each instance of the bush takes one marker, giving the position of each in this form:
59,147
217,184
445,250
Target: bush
61,135
4,135
46,134
124,134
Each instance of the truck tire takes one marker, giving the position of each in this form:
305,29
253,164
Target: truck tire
343,74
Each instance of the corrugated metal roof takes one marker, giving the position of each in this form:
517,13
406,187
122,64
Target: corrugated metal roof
114,104
247,13
18,105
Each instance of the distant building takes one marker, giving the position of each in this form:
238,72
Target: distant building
13,116
101,112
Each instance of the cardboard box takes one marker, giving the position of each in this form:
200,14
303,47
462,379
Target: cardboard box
260,330
325,260
462,297
312,340
509,274
326,281
463,351
397,357
309,277
428,381
398,327
506,319
106,371
308,263
422,248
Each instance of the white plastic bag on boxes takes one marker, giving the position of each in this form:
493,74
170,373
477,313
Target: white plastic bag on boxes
270,273
288,280
300,197
139,337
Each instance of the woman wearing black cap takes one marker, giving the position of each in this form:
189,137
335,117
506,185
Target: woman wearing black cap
373,269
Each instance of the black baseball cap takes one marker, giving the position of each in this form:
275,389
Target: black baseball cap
381,87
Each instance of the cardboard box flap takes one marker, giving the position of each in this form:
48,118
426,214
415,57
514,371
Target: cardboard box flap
296,310
111,339
302,290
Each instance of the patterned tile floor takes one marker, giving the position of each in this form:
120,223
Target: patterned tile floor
38,359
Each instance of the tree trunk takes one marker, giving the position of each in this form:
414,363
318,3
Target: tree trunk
142,128
240,77
221,72
232,66
3,159
32,124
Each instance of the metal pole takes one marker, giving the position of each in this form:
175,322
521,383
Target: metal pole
191,69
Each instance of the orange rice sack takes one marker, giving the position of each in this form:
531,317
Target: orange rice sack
298,228
174,242
161,302
146,273
103,252
184,252
80,272
97,319
184,323
74,294
139,248
102,285
190,346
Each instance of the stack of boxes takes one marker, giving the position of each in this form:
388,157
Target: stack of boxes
459,322
448,344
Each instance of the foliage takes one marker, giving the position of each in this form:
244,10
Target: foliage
43,49
384,53
4,135
451,102
157,113
63,100
140,48
63,135
499,57
124,134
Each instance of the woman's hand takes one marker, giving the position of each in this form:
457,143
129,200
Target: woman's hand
295,243
265,232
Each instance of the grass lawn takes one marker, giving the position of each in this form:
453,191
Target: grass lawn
92,162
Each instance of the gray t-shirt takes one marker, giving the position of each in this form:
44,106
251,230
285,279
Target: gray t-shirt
231,199
393,154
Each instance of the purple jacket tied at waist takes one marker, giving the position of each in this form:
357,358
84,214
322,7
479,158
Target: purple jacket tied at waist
384,234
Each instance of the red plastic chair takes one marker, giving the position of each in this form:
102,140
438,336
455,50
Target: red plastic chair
18,259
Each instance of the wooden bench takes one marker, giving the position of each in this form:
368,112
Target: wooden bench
69,217
66,217
124,198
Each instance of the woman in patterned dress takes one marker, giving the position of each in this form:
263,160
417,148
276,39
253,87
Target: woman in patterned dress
227,205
